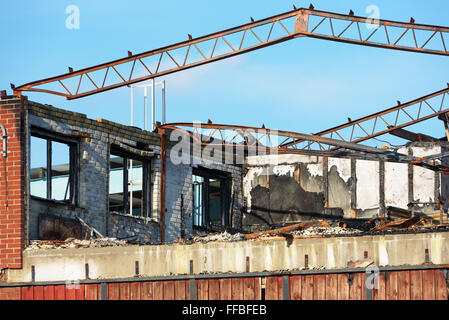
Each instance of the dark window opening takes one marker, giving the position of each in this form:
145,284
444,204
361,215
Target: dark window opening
129,184
211,193
53,167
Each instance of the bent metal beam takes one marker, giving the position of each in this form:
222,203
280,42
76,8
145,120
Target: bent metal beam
248,37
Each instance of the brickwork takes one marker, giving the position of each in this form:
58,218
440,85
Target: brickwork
12,186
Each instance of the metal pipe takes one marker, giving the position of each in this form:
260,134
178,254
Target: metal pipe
163,102
5,140
152,105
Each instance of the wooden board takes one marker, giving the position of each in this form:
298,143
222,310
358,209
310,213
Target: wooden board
403,285
416,289
225,289
319,287
27,293
355,289
379,293
79,292
134,291
158,290
49,293
59,292
248,289
92,292
237,289
307,287
272,288
202,289
169,290
147,291
440,286
180,290
295,283
113,291
331,291
214,289
343,287
428,284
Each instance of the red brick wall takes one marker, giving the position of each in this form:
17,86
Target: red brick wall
12,184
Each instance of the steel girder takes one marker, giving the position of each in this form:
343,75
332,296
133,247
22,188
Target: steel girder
238,40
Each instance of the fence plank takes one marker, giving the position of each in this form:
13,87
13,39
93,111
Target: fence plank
343,287
225,289
295,287
272,288
158,290
124,291
38,292
79,292
440,284
180,290
392,286
307,287
331,287
319,287
403,285
27,293
248,289
59,292
379,293
113,291
49,293
147,291
214,289
257,289
169,290
202,289
355,289
416,288
428,283
237,289
134,291
92,291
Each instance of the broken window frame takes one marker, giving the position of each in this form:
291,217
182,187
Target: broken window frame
73,144
225,197
146,211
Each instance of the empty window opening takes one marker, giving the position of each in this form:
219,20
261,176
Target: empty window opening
129,184
53,163
211,192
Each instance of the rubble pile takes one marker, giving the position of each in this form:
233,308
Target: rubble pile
223,236
76,243
325,230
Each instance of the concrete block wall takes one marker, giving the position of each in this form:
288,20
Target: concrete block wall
93,206
12,183
179,181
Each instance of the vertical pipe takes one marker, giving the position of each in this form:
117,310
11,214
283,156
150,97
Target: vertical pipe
132,107
162,184
145,108
163,101
152,105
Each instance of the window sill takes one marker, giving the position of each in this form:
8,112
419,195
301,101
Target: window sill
144,219
55,202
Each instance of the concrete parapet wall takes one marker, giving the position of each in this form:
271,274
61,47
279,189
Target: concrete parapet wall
225,257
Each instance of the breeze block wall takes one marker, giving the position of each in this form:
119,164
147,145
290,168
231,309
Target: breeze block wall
12,183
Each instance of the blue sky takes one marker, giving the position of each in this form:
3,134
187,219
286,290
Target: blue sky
303,85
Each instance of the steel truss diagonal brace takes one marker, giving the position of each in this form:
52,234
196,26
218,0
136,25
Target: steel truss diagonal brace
238,40
386,121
